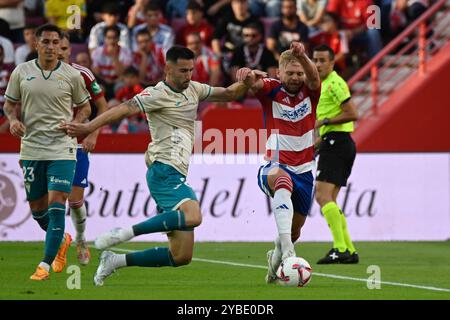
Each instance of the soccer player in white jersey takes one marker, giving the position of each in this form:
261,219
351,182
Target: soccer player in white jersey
171,108
78,211
47,89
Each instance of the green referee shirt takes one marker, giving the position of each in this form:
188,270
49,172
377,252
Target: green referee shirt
334,92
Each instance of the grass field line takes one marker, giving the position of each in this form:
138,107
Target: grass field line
325,275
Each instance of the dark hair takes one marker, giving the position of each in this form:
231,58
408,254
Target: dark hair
114,28
31,56
1,48
131,71
254,25
111,8
194,5
48,28
65,35
30,26
324,47
179,52
143,32
333,16
153,6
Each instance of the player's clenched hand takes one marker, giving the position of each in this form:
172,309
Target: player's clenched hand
17,128
74,129
298,49
89,142
248,76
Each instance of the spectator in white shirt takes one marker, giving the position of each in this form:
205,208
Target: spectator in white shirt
30,42
110,17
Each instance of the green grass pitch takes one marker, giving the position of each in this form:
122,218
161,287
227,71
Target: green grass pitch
421,264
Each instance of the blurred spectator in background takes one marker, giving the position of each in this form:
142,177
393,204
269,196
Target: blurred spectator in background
311,12
133,124
412,8
207,64
110,17
8,47
353,19
265,8
333,38
176,9
30,45
56,13
5,73
289,28
136,14
253,53
229,31
110,60
148,59
162,35
195,23
83,59
13,12
216,9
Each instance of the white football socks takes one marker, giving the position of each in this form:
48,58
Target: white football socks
284,212
276,256
119,261
44,265
78,216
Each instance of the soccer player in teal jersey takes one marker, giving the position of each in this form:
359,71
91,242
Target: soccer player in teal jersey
171,109
335,115
47,90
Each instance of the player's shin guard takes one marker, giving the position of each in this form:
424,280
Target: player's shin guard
154,257
347,240
78,214
167,221
284,212
55,231
332,213
42,218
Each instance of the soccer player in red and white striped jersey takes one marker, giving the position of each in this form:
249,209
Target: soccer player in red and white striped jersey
85,145
289,106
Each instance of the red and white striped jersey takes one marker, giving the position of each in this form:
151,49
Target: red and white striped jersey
91,83
290,121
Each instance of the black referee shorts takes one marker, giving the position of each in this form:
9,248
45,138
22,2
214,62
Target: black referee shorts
337,152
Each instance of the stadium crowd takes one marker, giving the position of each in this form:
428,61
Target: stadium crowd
124,42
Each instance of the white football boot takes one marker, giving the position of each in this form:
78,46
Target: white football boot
271,276
105,268
109,239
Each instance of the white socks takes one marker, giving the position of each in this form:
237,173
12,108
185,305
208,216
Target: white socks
44,265
119,261
78,216
284,212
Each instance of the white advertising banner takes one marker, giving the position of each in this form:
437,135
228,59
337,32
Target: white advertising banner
389,197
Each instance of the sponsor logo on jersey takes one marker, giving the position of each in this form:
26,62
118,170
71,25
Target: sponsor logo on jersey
30,78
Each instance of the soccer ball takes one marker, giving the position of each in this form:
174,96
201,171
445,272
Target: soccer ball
294,272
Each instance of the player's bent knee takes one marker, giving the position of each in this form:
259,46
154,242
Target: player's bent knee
76,204
192,213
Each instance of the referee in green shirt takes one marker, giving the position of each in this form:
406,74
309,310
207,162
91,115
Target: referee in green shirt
335,115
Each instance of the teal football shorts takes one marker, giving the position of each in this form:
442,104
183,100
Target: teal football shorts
41,176
168,187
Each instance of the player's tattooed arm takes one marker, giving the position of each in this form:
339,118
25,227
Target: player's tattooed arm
16,127
132,106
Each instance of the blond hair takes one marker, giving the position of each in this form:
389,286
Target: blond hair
287,57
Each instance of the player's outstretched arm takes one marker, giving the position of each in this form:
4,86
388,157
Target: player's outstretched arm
246,81
16,127
123,110
311,74
91,140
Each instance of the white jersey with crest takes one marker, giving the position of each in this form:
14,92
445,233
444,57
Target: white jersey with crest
171,117
47,98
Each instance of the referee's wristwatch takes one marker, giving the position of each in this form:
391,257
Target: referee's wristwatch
325,121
